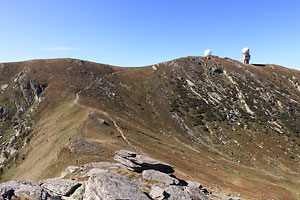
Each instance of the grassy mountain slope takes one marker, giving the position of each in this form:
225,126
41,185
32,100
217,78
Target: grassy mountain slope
231,126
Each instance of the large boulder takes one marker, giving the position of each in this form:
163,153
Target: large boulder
59,186
109,186
152,175
23,190
139,163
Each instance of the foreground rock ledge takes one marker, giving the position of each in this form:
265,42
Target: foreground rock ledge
134,177
139,163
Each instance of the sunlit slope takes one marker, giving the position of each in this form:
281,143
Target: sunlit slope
231,126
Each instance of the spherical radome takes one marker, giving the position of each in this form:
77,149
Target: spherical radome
207,52
246,50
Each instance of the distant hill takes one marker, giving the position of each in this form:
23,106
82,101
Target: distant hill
232,127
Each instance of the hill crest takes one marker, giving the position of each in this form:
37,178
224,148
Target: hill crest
219,115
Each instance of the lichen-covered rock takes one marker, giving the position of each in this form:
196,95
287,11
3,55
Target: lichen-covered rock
139,163
23,190
59,186
109,186
152,175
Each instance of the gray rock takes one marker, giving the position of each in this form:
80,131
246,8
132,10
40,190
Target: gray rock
3,87
59,186
152,175
108,186
78,194
195,192
157,193
36,88
175,193
194,184
96,171
23,189
197,185
97,165
25,88
139,163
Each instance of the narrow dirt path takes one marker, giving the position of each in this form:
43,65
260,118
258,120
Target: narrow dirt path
76,101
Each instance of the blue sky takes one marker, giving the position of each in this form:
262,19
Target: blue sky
144,32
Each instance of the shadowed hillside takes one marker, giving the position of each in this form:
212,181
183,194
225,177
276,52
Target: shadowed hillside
232,127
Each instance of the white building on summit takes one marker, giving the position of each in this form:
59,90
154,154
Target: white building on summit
246,55
207,53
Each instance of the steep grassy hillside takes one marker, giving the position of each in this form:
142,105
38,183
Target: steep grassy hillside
232,127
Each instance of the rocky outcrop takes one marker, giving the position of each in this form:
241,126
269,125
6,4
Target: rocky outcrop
23,190
196,192
113,186
139,163
60,187
152,175
174,193
31,89
108,181
189,192
36,88
25,94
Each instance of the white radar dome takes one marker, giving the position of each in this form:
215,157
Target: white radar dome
207,52
246,50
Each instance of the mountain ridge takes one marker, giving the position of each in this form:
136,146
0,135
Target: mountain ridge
112,65
219,114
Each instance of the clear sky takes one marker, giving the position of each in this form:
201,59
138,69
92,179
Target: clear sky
144,32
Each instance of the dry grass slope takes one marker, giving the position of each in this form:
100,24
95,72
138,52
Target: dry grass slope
191,112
